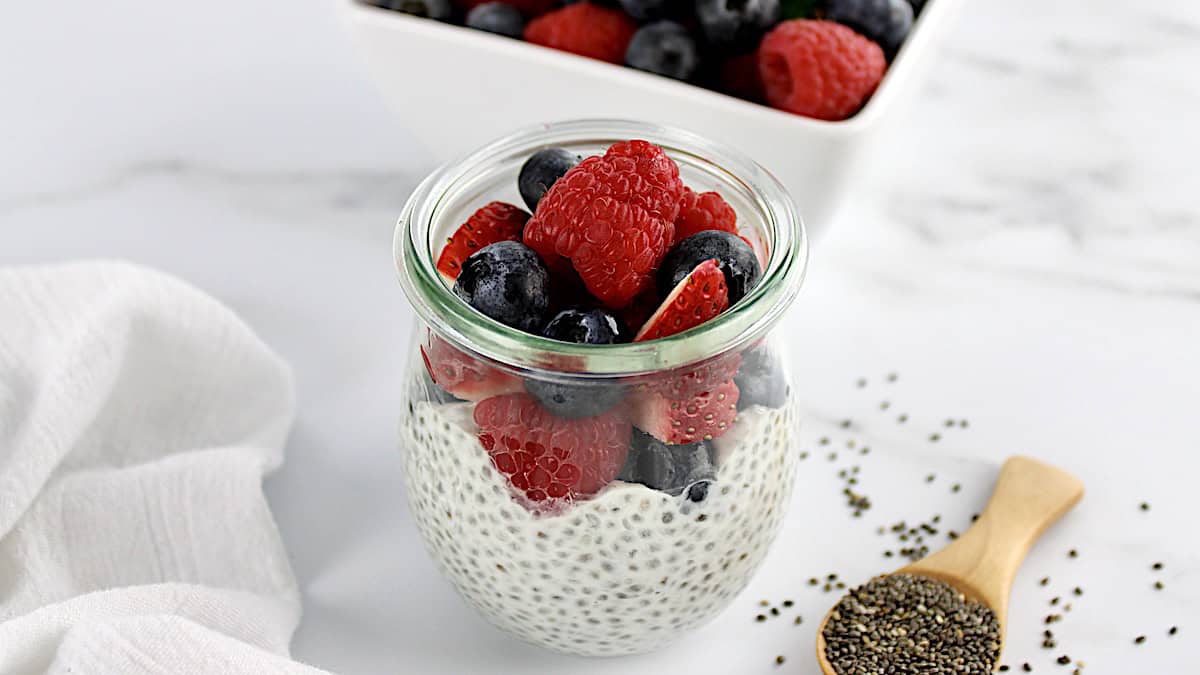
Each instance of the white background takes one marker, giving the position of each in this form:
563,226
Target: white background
1025,254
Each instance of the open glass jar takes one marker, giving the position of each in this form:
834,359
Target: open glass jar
611,525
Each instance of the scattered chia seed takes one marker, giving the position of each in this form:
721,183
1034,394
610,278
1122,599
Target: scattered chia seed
1044,581
1156,566
949,423
1145,506
884,405
930,478
845,424
956,487
804,455
934,438
1072,553
1054,600
862,382
1139,639
1173,630
779,660
813,581
1026,667
1078,591
962,424
1064,660
833,456
824,440
905,623
892,377
1158,585
902,419
760,618
799,620
774,611
788,603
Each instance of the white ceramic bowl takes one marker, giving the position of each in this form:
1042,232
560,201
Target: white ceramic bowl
457,88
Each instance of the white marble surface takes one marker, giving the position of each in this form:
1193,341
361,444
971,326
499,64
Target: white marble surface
1026,255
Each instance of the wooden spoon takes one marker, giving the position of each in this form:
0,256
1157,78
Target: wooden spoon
1029,496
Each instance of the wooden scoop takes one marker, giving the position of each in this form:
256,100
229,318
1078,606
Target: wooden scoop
1029,496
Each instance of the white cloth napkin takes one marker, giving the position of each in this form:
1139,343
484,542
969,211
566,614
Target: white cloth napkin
137,419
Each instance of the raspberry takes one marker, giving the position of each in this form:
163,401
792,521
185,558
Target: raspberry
819,68
703,211
527,7
613,217
584,29
548,457
494,222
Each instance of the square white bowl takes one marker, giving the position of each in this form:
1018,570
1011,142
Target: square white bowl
457,88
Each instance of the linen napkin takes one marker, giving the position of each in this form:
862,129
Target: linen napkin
137,419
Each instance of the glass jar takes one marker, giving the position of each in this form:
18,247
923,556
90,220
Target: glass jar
528,466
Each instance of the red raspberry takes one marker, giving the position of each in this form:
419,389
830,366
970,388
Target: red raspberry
613,216
819,68
584,29
703,211
527,7
494,222
548,457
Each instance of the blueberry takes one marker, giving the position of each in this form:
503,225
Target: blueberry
541,171
586,327
673,469
887,22
441,10
498,18
574,400
735,257
761,380
646,10
737,24
665,48
508,282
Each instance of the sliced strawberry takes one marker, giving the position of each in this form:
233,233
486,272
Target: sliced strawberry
463,375
684,383
703,417
699,297
494,222
548,457
700,211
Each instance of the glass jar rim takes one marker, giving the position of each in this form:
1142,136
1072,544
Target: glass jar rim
746,321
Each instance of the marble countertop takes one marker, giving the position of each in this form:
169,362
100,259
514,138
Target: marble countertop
1025,254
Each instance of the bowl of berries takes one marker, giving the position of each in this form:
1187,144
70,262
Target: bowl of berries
596,432
804,87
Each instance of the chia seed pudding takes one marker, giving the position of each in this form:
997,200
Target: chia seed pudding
597,432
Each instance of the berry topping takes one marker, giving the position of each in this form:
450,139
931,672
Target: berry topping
465,376
613,217
669,468
733,255
703,211
547,457
695,379
542,170
577,399
441,10
761,380
700,296
665,48
819,68
734,24
507,282
498,18
887,22
584,29
495,222
703,417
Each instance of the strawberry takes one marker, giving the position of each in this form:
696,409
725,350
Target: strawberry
703,417
463,375
684,383
494,222
548,457
699,297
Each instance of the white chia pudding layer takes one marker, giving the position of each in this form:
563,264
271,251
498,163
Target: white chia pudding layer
619,573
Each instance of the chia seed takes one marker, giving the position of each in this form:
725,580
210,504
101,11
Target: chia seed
906,623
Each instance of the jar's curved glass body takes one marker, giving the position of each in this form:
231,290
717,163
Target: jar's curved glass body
651,539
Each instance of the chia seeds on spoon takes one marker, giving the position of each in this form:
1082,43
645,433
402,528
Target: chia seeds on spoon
910,624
